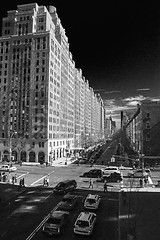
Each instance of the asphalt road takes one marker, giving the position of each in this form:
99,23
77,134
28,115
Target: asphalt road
23,217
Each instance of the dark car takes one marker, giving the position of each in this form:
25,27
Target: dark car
65,187
56,222
113,177
68,202
93,173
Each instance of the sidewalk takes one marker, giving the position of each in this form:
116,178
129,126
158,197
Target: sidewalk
57,163
62,162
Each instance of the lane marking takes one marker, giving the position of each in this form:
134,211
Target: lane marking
41,178
41,224
22,175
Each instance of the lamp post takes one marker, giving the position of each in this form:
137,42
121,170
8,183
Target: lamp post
66,155
51,155
10,146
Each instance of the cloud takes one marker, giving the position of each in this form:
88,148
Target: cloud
99,90
135,98
143,89
112,92
132,103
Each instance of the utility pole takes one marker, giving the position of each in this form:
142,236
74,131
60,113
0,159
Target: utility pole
10,146
142,164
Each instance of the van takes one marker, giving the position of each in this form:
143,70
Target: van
65,187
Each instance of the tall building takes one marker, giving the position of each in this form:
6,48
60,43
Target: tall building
39,88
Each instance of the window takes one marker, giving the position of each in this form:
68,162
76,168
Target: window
148,125
147,115
148,137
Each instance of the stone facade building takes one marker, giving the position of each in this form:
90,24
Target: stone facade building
45,102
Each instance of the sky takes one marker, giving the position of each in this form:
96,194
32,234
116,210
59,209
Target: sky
117,46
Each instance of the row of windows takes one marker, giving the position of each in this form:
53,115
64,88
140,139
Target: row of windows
40,144
58,143
23,41
3,58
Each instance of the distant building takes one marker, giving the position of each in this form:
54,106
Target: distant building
143,128
46,105
110,127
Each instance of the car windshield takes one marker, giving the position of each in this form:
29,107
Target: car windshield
111,168
60,185
82,223
67,200
54,221
91,201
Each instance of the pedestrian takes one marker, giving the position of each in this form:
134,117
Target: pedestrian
13,180
23,182
102,162
146,181
92,163
91,183
141,182
44,182
105,186
47,181
20,182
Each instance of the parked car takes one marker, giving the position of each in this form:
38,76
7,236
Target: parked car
82,160
111,169
113,177
85,223
138,173
7,168
68,202
92,201
65,187
93,173
56,222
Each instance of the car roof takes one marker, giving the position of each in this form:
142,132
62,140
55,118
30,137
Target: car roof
69,196
58,214
85,216
111,167
66,181
92,196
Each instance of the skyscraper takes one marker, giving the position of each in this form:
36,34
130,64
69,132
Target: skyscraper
37,86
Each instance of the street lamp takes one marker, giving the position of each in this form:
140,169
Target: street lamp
10,146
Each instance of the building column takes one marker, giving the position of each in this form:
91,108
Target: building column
27,156
36,160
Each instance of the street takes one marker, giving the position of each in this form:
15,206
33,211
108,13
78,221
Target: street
23,217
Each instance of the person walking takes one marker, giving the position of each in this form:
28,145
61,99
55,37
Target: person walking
44,182
47,181
91,183
105,186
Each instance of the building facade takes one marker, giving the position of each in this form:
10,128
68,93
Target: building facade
43,97
143,129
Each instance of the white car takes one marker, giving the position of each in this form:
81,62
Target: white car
85,223
8,168
92,201
111,169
